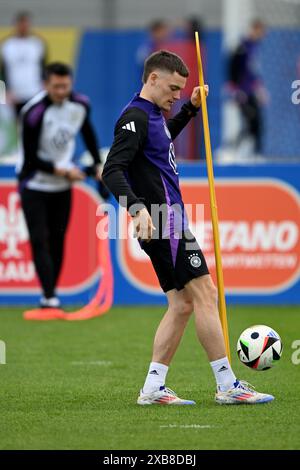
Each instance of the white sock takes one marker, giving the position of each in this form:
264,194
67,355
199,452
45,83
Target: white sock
50,302
224,375
156,377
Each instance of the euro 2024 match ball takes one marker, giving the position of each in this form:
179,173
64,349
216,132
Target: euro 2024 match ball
259,347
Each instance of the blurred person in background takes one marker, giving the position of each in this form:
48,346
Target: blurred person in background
158,33
22,59
246,86
49,124
185,28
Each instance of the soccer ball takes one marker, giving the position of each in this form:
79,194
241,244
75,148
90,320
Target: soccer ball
259,347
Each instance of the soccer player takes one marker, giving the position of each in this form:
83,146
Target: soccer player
141,166
50,123
23,57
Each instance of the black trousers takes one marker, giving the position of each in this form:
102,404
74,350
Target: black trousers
252,115
47,215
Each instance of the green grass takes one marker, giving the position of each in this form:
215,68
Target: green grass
55,394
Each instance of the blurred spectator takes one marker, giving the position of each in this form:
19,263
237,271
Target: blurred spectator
185,29
22,58
247,87
158,33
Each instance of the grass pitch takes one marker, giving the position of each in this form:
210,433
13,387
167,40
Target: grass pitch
74,386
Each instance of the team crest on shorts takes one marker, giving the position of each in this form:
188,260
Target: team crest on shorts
195,260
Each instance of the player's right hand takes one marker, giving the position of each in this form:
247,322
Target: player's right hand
143,225
75,174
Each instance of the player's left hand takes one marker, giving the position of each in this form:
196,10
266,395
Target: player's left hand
75,174
99,171
196,96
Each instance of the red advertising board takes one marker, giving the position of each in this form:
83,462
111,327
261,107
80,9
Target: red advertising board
80,267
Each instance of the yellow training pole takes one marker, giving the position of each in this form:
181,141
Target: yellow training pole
213,203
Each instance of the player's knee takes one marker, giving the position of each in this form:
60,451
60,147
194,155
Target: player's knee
207,298
183,308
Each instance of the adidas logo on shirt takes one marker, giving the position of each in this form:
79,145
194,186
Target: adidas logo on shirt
130,126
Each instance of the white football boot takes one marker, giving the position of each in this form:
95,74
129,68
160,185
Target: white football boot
242,393
163,396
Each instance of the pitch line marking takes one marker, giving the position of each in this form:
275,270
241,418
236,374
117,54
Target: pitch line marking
91,363
187,426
